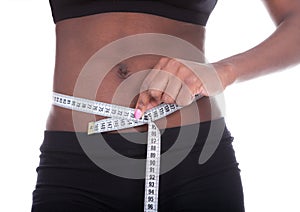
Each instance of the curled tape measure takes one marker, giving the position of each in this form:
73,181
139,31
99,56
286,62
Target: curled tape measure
120,118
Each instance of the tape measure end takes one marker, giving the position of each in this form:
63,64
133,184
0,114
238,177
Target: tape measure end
91,128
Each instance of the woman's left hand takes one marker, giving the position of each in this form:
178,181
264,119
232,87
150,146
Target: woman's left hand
177,81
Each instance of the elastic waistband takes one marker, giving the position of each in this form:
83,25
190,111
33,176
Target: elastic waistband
132,142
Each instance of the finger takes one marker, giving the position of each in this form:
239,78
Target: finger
144,100
142,104
196,87
173,66
162,63
148,79
158,85
172,90
167,99
201,91
161,82
185,96
152,74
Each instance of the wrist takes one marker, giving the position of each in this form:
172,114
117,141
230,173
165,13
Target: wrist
226,73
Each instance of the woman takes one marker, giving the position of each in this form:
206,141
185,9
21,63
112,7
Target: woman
69,179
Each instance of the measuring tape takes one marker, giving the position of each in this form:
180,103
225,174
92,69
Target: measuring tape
121,118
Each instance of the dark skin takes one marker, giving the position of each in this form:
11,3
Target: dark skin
280,50
78,39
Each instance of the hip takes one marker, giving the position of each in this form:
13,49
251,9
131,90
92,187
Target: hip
66,172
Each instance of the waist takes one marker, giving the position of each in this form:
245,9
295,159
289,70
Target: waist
78,40
205,109
134,143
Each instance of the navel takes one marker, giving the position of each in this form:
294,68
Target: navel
122,71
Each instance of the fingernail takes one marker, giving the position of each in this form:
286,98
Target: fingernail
137,113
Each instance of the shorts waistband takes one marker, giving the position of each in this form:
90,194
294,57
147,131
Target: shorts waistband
131,141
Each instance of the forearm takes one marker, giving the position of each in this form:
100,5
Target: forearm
279,51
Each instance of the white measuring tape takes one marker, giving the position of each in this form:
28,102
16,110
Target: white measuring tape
120,118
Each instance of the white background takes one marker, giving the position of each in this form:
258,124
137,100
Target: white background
262,114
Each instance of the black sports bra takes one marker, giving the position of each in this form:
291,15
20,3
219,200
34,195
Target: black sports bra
191,11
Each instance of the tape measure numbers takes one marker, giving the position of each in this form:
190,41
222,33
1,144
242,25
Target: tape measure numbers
120,117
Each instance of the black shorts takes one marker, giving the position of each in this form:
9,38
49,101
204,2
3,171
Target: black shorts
69,180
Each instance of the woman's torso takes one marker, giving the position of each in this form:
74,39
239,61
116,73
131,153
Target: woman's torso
78,39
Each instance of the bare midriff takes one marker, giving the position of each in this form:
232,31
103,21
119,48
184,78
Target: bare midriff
78,39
